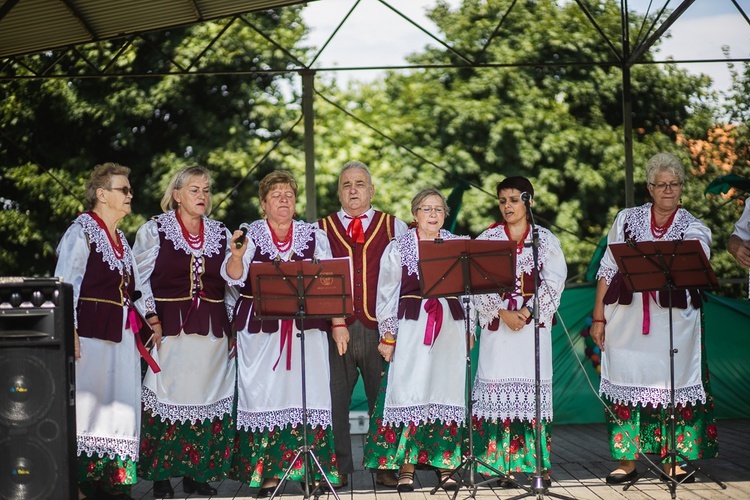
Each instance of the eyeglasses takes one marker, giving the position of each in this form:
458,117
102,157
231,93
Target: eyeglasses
662,186
429,210
126,190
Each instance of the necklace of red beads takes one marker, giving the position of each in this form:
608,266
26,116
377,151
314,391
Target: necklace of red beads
117,247
194,241
285,243
660,230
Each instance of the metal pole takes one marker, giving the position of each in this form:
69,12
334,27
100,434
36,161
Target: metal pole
627,108
308,81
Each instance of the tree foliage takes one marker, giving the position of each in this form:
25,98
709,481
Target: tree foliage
542,97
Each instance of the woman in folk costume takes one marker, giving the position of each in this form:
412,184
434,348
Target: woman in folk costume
94,256
187,407
422,403
632,330
269,404
504,387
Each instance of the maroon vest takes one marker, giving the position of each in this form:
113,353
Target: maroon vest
243,310
176,292
410,303
104,293
365,260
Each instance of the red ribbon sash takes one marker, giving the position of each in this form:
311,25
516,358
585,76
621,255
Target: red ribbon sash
434,310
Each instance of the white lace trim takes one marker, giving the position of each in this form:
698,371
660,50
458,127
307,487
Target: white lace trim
511,399
607,273
651,395
256,421
409,248
260,234
184,413
488,305
100,242
108,447
212,234
424,414
388,325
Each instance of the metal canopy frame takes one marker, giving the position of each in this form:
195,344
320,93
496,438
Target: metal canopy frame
25,64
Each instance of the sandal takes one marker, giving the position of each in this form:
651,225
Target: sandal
508,482
449,484
405,481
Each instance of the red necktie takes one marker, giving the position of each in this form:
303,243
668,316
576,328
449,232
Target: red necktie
354,231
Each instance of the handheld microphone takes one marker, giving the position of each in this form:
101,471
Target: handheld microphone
241,240
526,197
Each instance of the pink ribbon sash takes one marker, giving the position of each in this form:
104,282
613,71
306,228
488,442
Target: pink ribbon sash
646,296
434,310
134,323
286,341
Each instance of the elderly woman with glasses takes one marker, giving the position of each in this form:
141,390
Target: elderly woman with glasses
632,330
420,410
94,256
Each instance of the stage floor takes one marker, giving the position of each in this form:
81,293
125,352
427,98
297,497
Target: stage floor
580,461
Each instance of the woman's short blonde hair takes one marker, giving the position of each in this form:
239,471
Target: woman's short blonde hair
276,178
664,162
178,181
426,193
101,178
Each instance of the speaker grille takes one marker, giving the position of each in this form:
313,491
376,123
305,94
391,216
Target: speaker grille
27,470
27,387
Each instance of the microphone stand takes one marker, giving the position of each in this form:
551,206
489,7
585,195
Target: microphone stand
538,488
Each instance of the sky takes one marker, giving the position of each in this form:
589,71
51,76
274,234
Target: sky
376,36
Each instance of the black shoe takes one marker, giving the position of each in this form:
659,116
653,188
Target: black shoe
163,489
103,494
618,478
190,485
405,481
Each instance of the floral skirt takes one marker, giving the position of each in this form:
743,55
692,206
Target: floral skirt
117,473
389,447
509,445
171,449
645,429
269,453
635,429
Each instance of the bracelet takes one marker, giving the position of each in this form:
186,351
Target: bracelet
599,321
150,315
155,323
386,341
339,325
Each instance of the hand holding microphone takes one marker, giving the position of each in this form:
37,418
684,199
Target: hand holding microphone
241,240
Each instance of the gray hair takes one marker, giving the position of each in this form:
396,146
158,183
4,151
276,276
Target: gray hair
664,162
426,193
178,181
355,164
101,178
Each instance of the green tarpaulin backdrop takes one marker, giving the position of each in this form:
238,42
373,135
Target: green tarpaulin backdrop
727,339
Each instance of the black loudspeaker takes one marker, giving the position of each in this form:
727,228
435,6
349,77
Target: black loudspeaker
37,390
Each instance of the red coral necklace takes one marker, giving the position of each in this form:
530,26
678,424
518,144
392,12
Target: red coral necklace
194,241
285,243
660,230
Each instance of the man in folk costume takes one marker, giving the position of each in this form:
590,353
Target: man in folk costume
359,232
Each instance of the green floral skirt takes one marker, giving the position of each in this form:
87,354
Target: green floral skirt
268,454
389,447
117,474
509,446
635,429
200,450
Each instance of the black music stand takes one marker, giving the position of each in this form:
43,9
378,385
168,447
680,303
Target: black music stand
666,266
467,267
296,290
